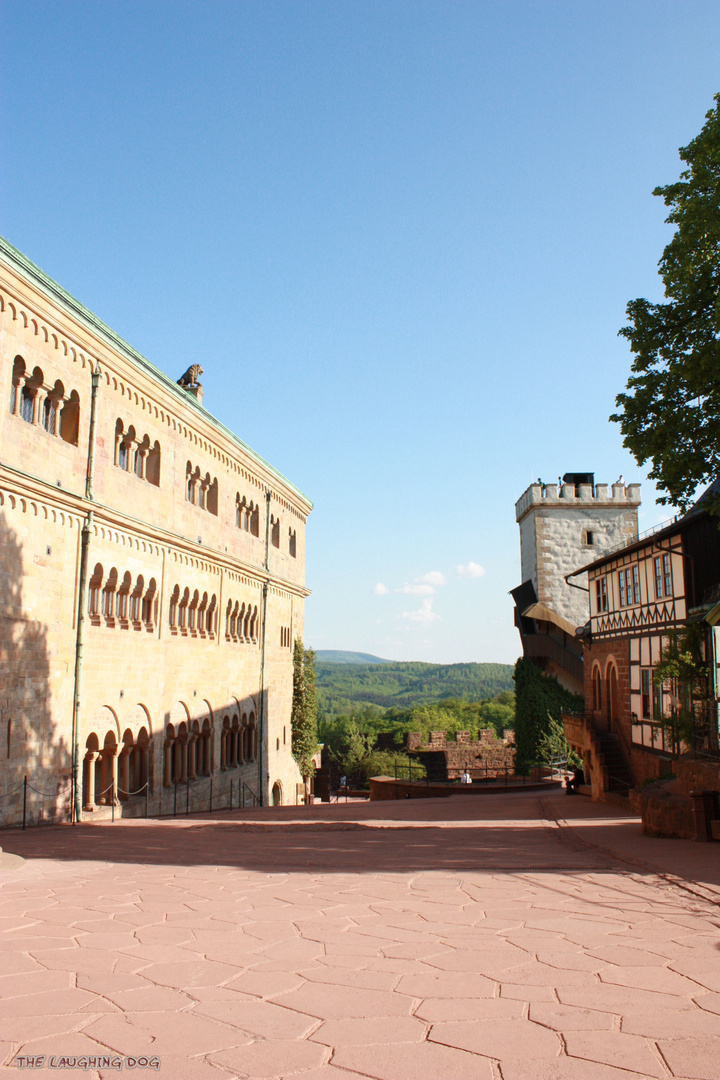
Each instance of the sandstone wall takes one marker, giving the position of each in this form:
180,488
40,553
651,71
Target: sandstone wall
140,673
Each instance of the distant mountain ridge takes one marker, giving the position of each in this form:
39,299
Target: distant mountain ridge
339,656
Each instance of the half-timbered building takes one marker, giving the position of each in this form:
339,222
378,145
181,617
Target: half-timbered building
640,594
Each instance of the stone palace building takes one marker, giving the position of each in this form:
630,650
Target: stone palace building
152,579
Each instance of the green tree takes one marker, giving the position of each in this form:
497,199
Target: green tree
303,719
671,412
683,673
553,746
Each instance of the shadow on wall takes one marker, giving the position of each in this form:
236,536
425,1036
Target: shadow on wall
30,745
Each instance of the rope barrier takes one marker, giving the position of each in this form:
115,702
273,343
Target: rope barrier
46,794
140,790
12,792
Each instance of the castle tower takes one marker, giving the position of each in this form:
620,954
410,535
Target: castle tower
562,527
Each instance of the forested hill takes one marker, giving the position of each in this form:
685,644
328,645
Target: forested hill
347,688
339,656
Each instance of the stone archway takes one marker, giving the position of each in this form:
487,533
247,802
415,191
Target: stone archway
277,794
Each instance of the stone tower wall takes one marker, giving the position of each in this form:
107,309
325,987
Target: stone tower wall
555,523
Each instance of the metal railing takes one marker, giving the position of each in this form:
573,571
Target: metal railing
61,795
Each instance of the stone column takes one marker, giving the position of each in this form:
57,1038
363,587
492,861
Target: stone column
183,761
90,759
112,778
124,780
18,397
191,755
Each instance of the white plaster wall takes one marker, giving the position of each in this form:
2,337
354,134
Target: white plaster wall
553,524
561,550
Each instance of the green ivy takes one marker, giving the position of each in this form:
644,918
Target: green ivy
303,718
539,703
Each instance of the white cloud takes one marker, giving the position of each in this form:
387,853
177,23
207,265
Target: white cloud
424,614
416,590
472,569
380,589
434,577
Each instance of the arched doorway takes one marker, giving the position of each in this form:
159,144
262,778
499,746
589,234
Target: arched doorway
277,799
612,697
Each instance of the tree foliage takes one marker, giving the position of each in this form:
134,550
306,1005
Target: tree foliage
304,710
682,671
540,701
670,414
553,746
351,738
344,689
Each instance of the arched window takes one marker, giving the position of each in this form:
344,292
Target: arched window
50,408
29,395
123,594
94,591
173,612
211,616
189,483
212,497
202,611
149,603
108,597
254,519
152,465
192,613
70,419
292,542
136,602
275,531
182,611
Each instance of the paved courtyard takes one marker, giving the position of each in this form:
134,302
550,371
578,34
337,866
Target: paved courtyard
471,938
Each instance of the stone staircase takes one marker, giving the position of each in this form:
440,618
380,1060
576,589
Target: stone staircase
619,778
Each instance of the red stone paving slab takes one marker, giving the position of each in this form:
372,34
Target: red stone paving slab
567,1018
410,1061
392,1029
672,1025
615,1048
281,1057
203,939
696,1057
261,1019
504,1039
326,1003
159,1033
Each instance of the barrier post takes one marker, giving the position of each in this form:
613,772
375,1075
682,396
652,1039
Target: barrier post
24,800
211,780
187,796
175,801
147,797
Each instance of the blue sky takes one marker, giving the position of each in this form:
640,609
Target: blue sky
398,236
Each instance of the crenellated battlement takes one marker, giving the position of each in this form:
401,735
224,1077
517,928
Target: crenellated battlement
563,496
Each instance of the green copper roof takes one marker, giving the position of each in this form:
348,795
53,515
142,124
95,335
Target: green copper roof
56,292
